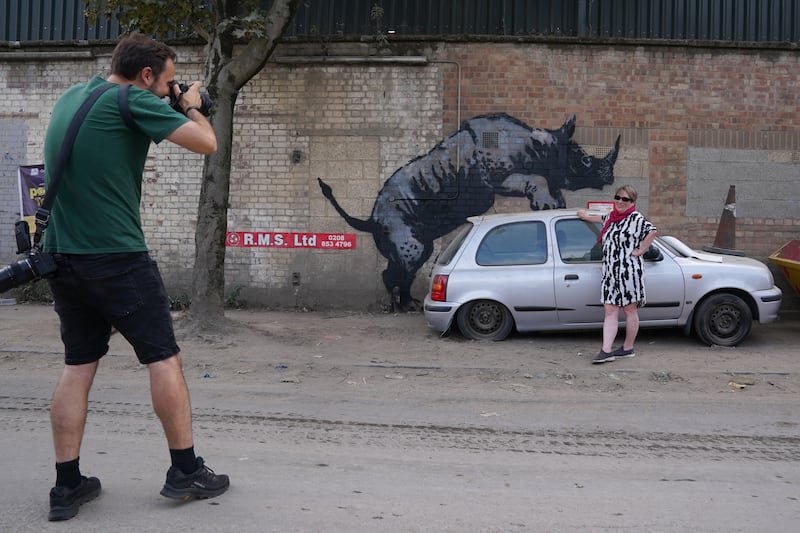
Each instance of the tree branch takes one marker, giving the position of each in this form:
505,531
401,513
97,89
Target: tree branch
252,59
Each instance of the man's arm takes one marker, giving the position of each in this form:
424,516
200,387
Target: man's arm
197,135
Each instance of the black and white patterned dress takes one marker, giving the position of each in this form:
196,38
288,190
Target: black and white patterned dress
623,274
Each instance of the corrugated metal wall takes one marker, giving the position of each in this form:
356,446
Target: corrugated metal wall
706,20
439,17
51,20
712,20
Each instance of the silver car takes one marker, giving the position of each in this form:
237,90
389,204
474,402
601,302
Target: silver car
541,270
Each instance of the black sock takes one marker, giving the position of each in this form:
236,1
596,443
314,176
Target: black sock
184,460
68,474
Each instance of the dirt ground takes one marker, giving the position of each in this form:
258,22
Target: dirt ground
258,348
348,421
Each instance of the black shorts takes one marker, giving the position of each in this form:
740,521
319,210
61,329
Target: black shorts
124,290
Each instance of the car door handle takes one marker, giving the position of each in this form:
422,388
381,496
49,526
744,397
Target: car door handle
570,277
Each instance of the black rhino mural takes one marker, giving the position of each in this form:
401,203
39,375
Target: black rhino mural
489,155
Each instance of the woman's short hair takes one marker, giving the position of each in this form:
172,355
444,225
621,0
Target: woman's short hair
630,191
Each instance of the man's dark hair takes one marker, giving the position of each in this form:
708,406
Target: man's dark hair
135,52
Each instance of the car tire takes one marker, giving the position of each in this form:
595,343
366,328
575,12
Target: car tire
723,320
484,320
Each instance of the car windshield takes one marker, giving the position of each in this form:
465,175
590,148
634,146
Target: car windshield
447,256
665,243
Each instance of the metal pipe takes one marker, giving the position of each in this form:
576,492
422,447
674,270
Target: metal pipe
458,86
37,56
405,60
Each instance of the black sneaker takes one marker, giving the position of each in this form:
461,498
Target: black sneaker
621,353
603,357
64,501
202,483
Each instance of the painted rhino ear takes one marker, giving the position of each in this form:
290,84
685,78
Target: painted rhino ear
568,128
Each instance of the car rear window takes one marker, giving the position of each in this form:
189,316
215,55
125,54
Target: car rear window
518,243
449,252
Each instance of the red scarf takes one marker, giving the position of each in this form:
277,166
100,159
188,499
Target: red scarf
615,217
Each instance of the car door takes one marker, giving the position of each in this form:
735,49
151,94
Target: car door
515,270
578,271
578,275
664,286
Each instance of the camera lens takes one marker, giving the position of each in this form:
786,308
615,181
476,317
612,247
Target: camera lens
15,275
206,104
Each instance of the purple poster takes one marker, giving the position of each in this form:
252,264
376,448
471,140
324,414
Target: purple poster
31,191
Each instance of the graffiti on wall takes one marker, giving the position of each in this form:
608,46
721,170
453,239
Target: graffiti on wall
489,155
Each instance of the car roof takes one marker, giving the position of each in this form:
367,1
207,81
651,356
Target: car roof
544,216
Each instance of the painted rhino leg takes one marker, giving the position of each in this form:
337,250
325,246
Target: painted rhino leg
406,255
533,187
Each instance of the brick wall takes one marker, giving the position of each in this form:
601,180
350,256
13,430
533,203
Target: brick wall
693,121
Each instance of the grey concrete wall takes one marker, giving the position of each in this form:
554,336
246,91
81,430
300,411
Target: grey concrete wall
766,182
13,140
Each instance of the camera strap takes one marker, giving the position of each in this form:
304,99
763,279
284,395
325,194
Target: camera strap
124,108
43,213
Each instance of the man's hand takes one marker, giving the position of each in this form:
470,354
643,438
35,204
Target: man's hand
197,135
190,98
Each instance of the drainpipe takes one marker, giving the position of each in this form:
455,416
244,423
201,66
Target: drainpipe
458,86
405,60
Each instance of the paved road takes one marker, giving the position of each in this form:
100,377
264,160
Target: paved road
439,443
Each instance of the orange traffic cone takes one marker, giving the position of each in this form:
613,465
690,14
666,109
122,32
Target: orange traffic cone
725,241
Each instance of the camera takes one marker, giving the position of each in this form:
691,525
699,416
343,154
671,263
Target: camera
35,266
206,103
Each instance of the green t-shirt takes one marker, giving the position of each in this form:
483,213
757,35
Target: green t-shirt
97,206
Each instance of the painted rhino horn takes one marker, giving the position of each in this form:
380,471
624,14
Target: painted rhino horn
612,155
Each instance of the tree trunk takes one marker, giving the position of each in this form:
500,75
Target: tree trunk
226,74
208,280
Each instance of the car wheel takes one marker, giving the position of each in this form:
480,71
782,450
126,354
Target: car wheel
723,319
485,320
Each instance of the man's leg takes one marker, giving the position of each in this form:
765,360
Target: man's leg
171,401
68,409
188,477
68,419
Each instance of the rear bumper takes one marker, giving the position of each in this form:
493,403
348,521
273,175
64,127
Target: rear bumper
439,315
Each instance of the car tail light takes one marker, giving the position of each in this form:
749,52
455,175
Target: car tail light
439,288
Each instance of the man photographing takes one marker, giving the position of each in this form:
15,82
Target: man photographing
106,278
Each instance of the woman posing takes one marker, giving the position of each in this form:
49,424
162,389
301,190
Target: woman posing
626,236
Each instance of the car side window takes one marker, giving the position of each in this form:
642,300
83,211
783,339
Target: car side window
518,243
577,241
